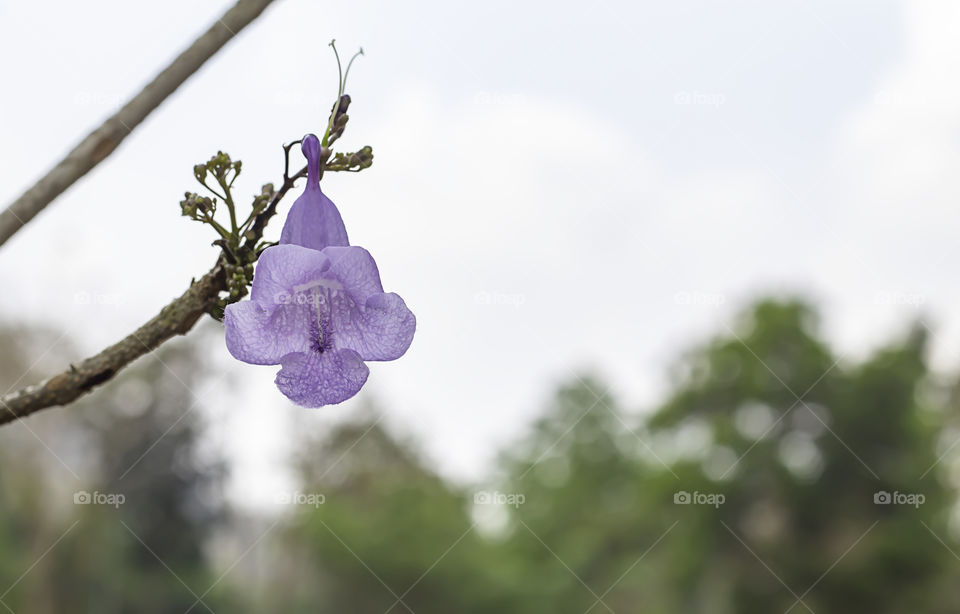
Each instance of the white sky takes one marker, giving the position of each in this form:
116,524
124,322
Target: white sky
557,186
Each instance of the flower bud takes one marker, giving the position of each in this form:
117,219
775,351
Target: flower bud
188,206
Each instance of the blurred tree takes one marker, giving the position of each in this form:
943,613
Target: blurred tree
798,526
590,508
29,524
801,445
146,553
388,529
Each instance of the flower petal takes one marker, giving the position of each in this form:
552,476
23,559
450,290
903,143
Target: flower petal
314,220
262,336
382,329
282,270
356,270
363,318
314,379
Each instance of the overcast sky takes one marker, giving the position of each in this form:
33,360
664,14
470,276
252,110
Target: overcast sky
558,186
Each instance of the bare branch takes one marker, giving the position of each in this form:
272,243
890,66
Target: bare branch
177,318
101,142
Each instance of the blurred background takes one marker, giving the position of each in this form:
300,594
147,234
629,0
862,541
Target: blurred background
687,336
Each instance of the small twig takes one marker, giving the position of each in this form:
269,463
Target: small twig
101,142
286,158
260,223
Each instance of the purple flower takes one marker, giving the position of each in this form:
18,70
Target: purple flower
319,314
316,306
313,220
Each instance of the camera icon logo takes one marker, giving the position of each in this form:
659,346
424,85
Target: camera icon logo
681,498
482,497
81,497
882,497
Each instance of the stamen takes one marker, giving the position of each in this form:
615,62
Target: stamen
316,302
333,44
341,87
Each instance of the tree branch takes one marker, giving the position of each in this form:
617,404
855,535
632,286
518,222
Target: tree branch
177,318
101,142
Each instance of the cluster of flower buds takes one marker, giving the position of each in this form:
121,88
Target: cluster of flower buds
238,278
219,166
197,207
224,172
354,162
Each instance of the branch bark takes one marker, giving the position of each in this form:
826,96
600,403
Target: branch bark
177,318
101,142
